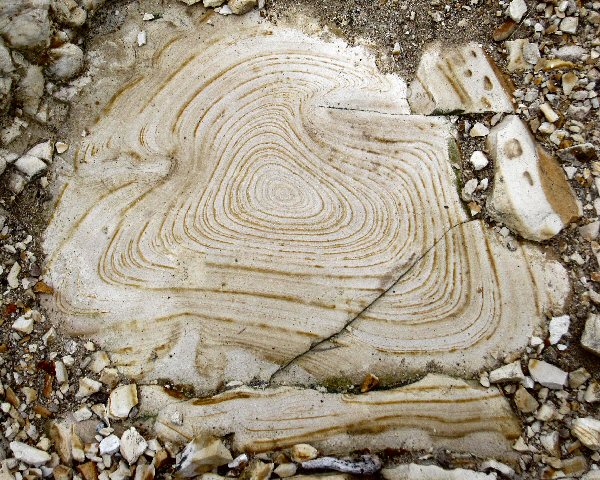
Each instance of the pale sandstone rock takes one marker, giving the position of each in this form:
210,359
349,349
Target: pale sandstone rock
590,338
122,400
30,166
587,430
530,193
558,327
479,160
285,470
303,452
61,438
507,373
516,9
110,445
43,151
87,387
132,445
524,401
547,375
66,61
457,79
201,455
24,24
522,55
213,3
31,89
28,454
257,470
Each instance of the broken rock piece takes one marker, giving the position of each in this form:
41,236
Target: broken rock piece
122,400
530,193
547,375
457,79
590,339
201,455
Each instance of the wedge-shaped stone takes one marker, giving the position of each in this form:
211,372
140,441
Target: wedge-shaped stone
530,193
261,205
437,411
453,79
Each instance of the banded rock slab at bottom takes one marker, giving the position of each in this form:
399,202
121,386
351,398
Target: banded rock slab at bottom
435,412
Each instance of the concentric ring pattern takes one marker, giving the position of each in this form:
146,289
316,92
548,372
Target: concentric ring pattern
248,198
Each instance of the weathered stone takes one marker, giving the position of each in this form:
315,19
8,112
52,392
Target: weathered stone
122,400
110,445
30,166
578,377
516,9
592,393
524,401
558,327
132,445
257,470
88,471
522,55
66,61
28,454
587,430
24,24
285,470
530,193
213,3
590,338
62,472
61,437
444,71
303,452
507,373
547,375
586,152
550,442
31,89
202,455
87,387
478,160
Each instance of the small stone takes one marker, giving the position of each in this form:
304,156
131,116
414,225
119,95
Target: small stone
590,339
132,445
590,231
257,470
30,166
61,147
23,324
469,189
550,442
592,393
122,400
585,152
110,445
100,361
547,375
201,456
587,431
578,377
479,130
302,452
505,30
13,275
62,472
142,38
61,437
285,470
569,81
147,17
524,401
88,470
87,387
43,151
550,114
30,395
237,461
569,25
558,327
500,467
82,414
507,373
516,9
213,3
28,454
240,7
66,61
479,160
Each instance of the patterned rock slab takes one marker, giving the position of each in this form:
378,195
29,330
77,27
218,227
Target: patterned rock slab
259,194
436,412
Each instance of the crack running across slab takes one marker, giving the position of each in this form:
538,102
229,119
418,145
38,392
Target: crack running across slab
349,323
